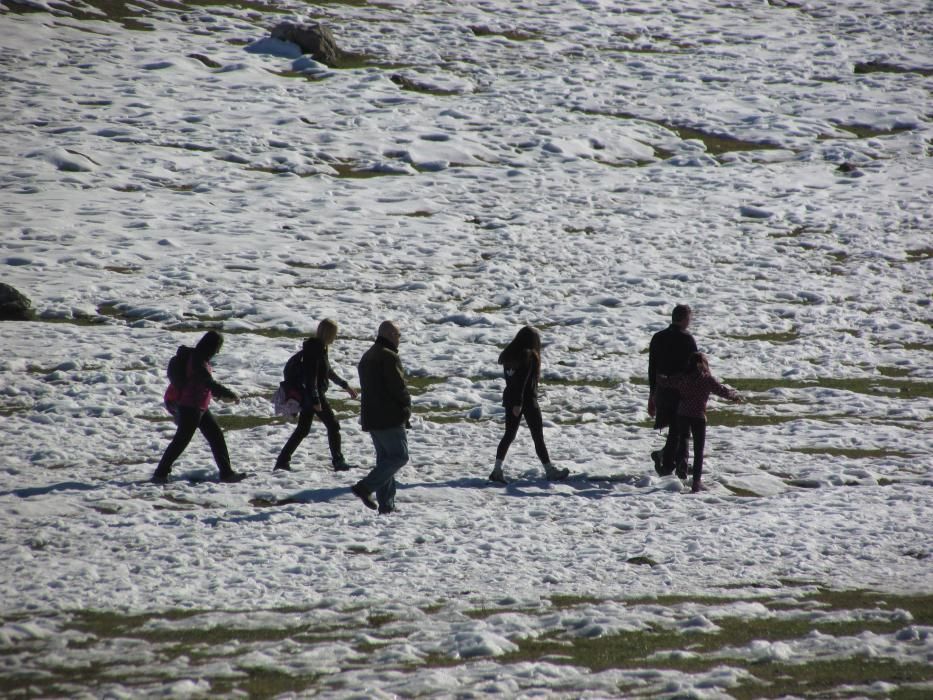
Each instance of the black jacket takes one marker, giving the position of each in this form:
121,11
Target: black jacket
521,380
384,401
315,365
668,353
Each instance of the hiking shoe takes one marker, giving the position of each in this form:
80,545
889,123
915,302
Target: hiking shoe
552,473
697,487
498,476
656,458
233,477
160,479
385,510
682,471
363,496
341,465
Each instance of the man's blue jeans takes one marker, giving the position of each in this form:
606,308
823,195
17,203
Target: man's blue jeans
391,455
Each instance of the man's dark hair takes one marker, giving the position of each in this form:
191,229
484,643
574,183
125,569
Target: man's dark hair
681,311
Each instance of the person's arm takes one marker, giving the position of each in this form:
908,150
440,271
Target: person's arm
200,373
725,392
652,377
396,390
342,383
310,364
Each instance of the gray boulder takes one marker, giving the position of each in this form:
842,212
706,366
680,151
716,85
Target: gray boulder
13,305
314,39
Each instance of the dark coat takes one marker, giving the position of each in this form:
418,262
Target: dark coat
315,365
384,398
668,354
521,380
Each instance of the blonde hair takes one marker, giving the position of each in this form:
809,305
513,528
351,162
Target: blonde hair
327,331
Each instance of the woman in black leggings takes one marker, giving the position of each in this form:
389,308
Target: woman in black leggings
316,375
521,365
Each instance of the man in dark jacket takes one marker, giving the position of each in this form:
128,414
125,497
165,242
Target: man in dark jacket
668,354
384,412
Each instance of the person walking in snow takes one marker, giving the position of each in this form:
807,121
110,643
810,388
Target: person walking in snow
313,378
694,387
188,398
521,366
668,354
384,412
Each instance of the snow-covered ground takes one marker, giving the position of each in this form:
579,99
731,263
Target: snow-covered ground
578,166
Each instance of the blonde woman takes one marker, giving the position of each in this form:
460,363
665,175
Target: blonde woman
311,377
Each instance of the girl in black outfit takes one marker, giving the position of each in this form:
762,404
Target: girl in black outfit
316,372
188,401
521,365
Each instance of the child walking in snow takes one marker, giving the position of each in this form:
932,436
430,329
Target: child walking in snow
311,386
695,385
187,398
521,365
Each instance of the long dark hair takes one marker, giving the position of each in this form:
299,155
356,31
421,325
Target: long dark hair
209,345
527,342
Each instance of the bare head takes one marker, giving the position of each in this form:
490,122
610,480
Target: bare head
327,331
389,331
681,316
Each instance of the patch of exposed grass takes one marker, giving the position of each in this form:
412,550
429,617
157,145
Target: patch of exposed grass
868,67
863,131
716,144
851,452
919,254
774,337
858,385
562,602
229,421
510,34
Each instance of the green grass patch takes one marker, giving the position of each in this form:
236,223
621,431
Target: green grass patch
562,602
863,131
775,337
851,452
510,34
834,678
872,386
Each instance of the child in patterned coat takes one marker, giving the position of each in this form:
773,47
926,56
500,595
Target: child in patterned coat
695,385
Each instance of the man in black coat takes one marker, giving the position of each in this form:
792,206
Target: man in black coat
384,412
668,354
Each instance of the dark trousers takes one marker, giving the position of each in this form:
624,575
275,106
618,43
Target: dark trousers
532,413
327,417
697,426
188,420
674,452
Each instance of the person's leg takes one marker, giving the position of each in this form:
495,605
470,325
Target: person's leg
532,413
327,417
215,438
535,423
666,405
187,420
699,445
300,433
680,449
391,455
511,430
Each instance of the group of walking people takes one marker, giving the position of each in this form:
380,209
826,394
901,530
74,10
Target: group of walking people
679,379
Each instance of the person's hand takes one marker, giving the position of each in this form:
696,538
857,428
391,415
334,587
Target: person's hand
652,409
352,392
516,411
